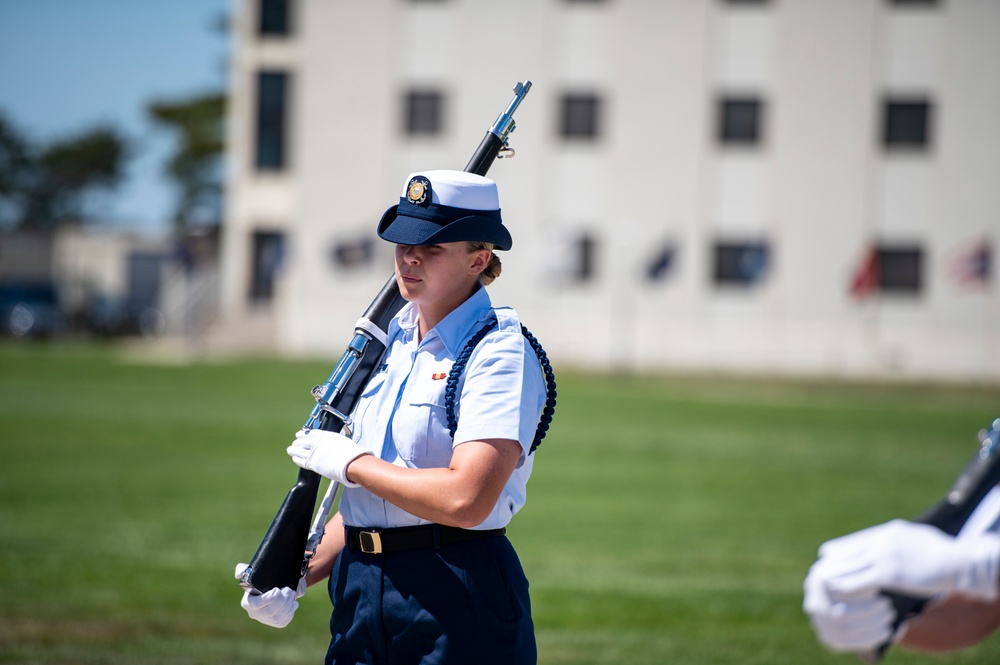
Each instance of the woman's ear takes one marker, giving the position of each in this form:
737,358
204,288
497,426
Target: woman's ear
480,259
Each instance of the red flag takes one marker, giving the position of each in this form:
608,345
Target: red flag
865,280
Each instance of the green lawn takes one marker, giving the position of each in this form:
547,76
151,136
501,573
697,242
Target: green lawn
669,520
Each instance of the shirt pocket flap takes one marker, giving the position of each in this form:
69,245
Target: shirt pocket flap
431,393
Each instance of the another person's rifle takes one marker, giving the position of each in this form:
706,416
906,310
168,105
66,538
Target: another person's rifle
283,555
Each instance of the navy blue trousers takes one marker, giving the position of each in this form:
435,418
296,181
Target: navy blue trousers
459,604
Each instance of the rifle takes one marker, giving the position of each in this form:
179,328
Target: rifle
949,515
283,555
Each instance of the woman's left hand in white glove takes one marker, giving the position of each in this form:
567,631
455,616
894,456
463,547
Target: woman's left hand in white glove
274,608
326,453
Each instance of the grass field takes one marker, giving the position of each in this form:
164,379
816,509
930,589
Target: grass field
669,520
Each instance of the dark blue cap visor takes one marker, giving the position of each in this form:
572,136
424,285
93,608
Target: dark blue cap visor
434,224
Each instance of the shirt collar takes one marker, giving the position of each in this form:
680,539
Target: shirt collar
455,328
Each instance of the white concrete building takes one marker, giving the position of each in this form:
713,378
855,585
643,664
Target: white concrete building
697,183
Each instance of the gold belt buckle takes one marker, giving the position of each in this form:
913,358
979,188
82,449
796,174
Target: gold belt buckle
371,542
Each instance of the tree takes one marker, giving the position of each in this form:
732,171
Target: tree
16,174
43,187
196,166
71,168
14,160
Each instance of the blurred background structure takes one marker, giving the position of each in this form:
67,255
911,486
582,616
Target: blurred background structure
110,166
804,187
800,187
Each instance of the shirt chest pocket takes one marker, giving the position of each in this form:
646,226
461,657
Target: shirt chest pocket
420,426
367,410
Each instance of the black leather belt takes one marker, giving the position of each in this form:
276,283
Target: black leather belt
381,541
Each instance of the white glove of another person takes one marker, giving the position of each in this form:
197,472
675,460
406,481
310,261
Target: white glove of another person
854,626
275,607
326,453
843,588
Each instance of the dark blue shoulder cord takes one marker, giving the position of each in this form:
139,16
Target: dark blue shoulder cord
459,366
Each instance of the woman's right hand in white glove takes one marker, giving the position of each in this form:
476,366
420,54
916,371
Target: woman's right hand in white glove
327,453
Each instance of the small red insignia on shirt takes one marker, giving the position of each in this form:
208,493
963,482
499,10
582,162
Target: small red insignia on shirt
438,376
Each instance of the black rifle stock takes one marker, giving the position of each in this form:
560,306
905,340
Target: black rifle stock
949,515
282,557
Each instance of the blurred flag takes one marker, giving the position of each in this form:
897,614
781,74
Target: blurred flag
661,264
865,280
973,266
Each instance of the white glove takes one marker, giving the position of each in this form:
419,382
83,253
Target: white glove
843,588
913,559
326,453
847,624
275,607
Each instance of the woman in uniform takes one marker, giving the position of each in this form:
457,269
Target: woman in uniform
437,464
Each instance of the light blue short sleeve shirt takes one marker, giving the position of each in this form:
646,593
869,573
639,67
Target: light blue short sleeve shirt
401,414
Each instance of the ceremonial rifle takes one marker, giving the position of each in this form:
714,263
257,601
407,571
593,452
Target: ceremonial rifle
283,555
950,514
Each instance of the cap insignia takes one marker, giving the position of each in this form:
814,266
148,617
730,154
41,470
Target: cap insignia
418,190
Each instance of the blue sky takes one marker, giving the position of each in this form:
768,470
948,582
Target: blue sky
69,65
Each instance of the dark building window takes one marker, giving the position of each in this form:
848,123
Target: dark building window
267,257
580,116
914,3
424,112
900,270
574,258
889,269
272,112
351,253
274,17
906,123
586,254
740,264
740,121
